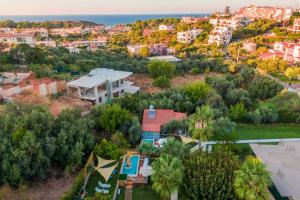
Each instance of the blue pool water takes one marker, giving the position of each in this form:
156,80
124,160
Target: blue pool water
133,170
150,135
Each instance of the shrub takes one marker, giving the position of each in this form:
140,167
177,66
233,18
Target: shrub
162,82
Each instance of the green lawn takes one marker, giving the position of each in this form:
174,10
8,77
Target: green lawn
270,131
144,193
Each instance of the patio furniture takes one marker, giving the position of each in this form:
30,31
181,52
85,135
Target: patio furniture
103,185
101,190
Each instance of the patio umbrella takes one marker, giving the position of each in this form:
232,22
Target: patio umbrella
146,171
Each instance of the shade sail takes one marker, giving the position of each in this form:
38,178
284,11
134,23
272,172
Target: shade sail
102,162
106,172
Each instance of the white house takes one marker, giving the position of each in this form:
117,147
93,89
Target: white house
221,35
18,39
233,23
188,36
249,46
164,27
101,85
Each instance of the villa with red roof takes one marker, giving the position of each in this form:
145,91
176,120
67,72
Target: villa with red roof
154,119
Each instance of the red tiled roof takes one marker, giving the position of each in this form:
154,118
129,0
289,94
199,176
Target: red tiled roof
162,117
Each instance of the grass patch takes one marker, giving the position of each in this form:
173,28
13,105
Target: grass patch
144,192
121,196
269,131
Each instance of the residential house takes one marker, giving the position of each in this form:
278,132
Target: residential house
188,36
101,85
192,20
296,26
46,43
164,27
221,35
254,12
17,38
249,46
233,22
154,119
35,31
147,32
135,49
43,87
65,32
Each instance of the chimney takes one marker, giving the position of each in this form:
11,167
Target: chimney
151,112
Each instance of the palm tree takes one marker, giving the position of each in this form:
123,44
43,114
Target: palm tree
167,175
252,179
200,123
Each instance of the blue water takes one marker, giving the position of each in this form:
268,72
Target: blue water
99,19
134,166
150,135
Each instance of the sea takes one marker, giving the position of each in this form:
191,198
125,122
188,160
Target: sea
109,20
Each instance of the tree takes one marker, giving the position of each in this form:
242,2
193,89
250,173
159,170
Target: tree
167,175
175,148
158,68
144,52
200,123
197,91
252,180
210,175
224,130
111,117
148,149
74,138
264,88
292,72
107,150
162,82
237,112
220,84
26,145
135,131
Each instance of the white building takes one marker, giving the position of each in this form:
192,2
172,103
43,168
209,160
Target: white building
249,46
296,26
135,49
233,23
35,31
188,36
221,35
101,85
18,39
46,43
164,27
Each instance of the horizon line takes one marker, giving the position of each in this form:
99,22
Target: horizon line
108,14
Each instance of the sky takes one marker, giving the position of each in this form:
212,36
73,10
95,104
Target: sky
69,7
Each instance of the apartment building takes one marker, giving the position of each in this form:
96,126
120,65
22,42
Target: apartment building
65,32
290,52
188,36
254,12
221,35
101,85
17,38
46,43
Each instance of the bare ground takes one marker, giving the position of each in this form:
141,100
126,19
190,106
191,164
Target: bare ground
146,83
51,189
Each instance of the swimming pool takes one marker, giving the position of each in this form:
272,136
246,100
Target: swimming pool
133,170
